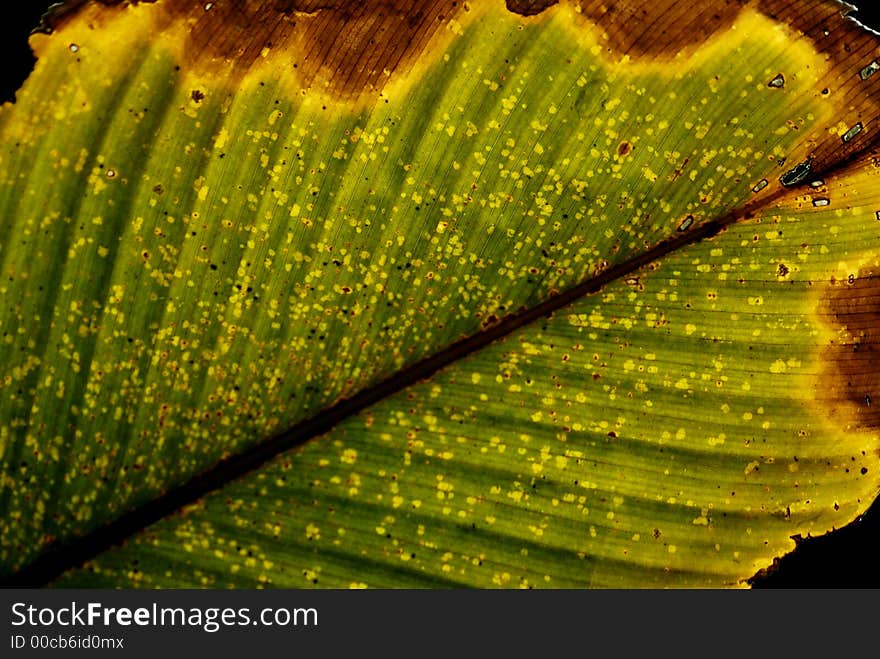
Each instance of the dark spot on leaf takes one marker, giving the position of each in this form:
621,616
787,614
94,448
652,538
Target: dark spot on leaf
529,7
778,81
797,173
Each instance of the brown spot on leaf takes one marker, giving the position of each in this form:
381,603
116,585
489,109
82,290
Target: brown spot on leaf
850,382
490,320
624,149
529,7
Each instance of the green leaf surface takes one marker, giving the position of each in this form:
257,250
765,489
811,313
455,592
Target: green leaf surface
561,299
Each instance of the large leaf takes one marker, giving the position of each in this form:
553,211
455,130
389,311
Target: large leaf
494,295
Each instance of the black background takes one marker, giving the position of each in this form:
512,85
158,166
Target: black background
847,557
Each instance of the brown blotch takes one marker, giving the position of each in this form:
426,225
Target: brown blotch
346,47
529,7
658,28
624,149
849,387
337,46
